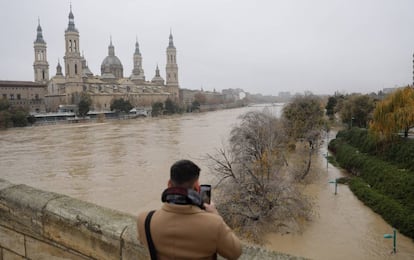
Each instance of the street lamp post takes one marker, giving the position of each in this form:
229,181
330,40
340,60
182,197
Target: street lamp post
327,146
336,185
394,236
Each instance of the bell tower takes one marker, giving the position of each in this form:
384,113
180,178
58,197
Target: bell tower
137,72
172,69
40,65
73,59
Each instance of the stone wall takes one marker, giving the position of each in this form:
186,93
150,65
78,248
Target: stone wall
36,224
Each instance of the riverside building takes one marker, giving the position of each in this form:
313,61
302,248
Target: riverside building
66,88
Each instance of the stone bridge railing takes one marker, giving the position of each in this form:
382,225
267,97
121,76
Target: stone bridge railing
36,224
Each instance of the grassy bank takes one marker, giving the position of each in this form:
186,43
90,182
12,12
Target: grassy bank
383,185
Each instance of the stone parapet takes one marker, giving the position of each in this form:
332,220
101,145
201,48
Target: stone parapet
36,224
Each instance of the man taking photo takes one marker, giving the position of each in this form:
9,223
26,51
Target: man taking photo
185,227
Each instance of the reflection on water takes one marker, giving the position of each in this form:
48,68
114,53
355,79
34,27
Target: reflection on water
125,165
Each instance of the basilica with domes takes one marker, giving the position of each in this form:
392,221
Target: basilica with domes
66,88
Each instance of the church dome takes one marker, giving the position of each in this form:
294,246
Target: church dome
112,61
111,64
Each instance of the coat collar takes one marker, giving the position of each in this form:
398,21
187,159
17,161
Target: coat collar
181,209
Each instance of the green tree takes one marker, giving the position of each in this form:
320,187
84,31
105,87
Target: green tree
303,115
195,105
330,107
5,119
357,110
121,105
394,114
170,107
304,121
19,117
31,119
157,109
84,104
13,116
4,104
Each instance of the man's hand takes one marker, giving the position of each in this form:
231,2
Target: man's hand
211,208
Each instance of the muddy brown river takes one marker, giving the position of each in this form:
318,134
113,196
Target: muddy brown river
124,165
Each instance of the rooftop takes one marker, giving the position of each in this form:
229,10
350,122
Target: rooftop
15,83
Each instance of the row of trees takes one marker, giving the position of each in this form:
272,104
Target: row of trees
385,118
169,107
353,110
117,105
259,187
124,106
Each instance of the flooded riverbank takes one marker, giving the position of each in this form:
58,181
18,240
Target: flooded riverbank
124,165
344,227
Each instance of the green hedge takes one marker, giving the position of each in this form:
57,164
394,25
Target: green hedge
400,152
384,177
392,211
382,185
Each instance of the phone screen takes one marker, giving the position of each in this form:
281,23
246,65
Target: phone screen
205,193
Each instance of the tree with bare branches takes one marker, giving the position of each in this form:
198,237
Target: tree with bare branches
255,194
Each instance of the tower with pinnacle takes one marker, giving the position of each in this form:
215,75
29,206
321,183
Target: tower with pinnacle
137,72
40,65
171,68
157,79
73,59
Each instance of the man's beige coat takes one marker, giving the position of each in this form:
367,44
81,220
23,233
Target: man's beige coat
187,232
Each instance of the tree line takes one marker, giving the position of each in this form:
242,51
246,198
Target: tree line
386,116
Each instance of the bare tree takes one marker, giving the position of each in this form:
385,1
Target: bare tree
255,193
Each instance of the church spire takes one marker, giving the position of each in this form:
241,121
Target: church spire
171,43
39,36
71,25
157,79
157,72
137,52
111,48
59,69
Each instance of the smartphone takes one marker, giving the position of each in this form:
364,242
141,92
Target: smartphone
205,193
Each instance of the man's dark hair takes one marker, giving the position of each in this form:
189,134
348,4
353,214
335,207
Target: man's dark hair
184,172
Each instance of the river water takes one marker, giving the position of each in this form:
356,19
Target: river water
124,165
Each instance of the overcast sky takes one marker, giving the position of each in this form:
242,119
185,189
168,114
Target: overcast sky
261,46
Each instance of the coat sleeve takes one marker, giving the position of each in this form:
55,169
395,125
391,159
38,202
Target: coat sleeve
228,244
